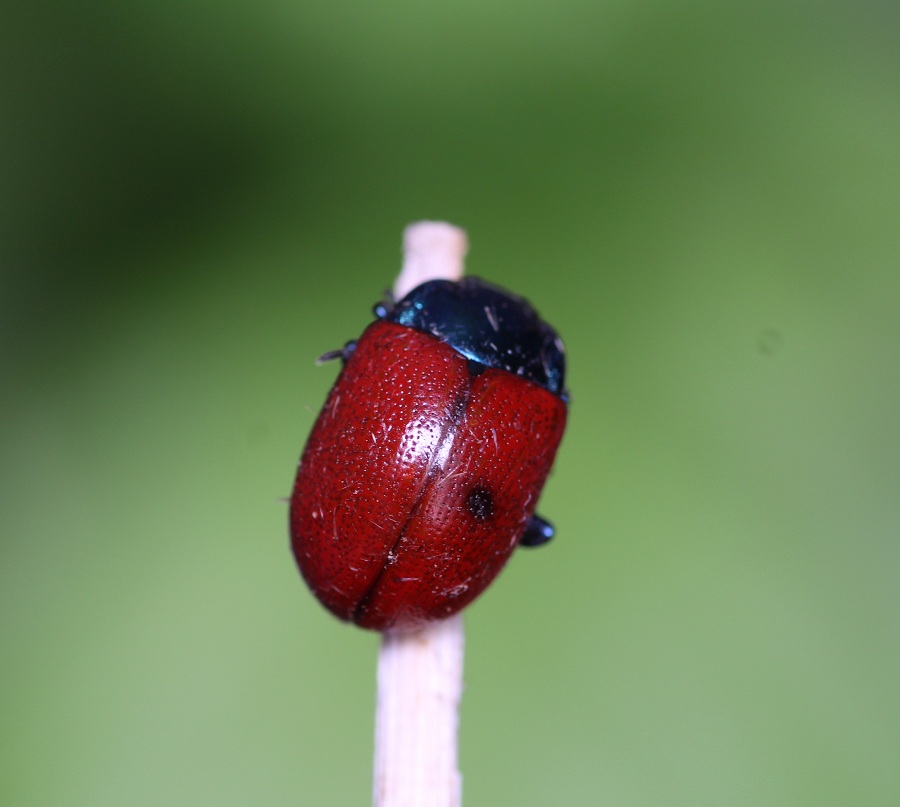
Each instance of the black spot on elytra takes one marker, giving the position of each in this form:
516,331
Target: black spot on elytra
480,503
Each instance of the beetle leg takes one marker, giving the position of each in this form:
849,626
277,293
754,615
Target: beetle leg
343,353
384,308
537,532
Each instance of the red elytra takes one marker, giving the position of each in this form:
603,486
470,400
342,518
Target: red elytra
418,479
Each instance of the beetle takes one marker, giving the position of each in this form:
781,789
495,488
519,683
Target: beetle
422,471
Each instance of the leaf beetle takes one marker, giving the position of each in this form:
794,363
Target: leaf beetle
421,474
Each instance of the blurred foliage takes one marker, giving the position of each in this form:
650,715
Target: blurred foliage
197,199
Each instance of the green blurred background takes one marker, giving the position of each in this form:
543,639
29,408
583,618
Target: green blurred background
197,199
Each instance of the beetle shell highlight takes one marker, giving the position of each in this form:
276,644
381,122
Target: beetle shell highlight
423,469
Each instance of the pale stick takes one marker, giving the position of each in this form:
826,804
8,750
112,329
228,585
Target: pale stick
420,673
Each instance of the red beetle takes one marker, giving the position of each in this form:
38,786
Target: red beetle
423,469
